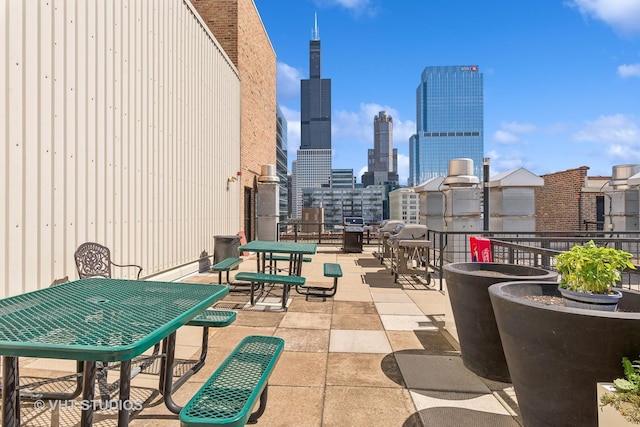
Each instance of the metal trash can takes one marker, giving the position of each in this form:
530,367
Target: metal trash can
225,247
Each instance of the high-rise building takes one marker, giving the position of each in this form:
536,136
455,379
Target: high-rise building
450,121
312,168
404,205
342,178
281,163
315,102
383,158
337,204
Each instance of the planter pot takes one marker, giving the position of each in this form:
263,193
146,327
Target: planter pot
608,416
590,301
467,287
556,355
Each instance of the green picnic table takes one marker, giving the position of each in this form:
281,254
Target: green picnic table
97,319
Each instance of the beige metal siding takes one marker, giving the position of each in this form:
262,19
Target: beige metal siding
120,124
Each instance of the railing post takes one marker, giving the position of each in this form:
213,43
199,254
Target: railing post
546,260
441,258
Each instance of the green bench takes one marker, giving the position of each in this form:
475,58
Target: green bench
330,270
227,398
227,265
259,279
207,319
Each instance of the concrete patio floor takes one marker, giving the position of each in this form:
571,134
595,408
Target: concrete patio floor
376,354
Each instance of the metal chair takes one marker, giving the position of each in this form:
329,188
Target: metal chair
93,259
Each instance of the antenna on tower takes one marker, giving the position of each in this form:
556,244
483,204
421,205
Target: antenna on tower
315,33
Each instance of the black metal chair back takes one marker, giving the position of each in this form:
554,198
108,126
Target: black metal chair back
94,259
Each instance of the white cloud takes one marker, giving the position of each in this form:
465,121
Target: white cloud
403,169
624,152
293,130
509,132
632,70
619,132
504,137
358,7
518,128
622,15
361,172
358,125
287,81
502,162
614,129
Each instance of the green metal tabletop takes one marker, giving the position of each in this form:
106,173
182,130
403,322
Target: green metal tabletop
99,319
279,247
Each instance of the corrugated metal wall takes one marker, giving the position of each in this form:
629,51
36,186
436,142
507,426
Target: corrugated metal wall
120,124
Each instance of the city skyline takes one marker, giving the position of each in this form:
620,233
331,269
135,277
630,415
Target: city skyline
562,78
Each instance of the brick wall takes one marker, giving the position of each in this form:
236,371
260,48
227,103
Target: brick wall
558,201
238,28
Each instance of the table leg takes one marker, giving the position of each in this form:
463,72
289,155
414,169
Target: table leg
88,385
10,399
125,393
163,367
298,264
170,350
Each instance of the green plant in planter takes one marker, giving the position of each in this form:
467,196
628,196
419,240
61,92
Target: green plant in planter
627,398
592,269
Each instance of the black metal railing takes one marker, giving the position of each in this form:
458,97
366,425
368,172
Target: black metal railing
536,249
533,248
322,233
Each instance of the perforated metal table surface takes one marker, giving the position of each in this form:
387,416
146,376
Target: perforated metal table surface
94,319
294,249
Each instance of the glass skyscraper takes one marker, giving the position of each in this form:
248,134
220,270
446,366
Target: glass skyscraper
450,121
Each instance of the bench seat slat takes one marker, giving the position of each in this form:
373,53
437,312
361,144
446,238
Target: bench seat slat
227,398
213,318
270,278
226,264
332,270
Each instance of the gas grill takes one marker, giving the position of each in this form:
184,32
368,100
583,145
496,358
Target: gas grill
352,234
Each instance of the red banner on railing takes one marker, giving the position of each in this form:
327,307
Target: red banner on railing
480,249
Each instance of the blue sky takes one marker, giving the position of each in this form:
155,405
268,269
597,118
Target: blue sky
561,77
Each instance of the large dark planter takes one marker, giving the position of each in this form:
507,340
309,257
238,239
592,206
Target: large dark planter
557,354
467,286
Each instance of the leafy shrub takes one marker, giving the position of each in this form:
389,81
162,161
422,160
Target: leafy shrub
627,398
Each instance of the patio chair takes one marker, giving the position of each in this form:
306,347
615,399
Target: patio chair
93,259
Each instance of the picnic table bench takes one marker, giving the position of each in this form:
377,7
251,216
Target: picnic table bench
226,265
231,392
207,319
330,270
259,279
